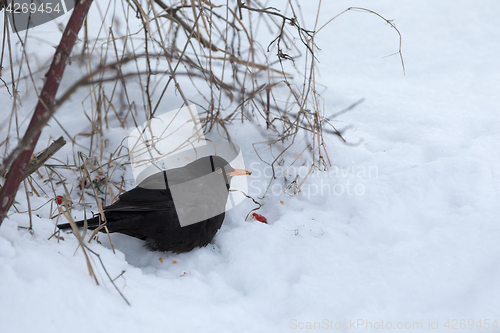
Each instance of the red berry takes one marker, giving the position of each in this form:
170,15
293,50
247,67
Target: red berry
259,217
59,199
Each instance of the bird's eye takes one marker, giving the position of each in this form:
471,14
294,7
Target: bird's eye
218,170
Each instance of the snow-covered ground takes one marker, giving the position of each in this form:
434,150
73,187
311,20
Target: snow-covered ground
402,233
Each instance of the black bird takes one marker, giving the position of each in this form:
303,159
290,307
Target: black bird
150,213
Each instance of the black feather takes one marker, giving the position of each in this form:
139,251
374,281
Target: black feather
150,214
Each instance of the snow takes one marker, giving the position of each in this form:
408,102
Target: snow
417,242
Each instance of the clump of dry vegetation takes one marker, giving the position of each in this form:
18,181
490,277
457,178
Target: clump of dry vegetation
237,61
147,57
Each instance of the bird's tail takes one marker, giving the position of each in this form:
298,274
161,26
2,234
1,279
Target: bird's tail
91,223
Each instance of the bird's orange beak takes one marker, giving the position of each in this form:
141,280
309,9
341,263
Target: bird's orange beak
239,172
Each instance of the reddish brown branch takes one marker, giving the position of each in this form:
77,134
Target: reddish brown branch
17,162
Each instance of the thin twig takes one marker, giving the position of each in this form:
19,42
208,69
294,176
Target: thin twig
39,160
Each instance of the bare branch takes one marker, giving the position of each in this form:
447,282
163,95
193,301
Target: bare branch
44,109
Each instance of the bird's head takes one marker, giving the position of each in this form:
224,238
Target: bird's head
221,166
195,170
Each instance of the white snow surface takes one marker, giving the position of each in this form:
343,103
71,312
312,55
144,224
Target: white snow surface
403,229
